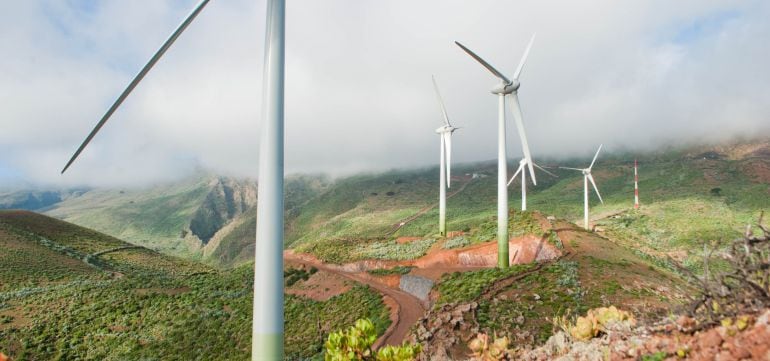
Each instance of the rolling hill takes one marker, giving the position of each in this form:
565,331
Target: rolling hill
68,292
212,218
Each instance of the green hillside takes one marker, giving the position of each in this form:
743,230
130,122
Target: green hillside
688,196
192,218
70,293
200,219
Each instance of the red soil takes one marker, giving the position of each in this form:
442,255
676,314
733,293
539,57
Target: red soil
321,286
405,308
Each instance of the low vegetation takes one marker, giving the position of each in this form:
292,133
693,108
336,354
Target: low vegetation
398,270
467,286
341,251
356,342
595,321
309,322
291,275
456,242
741,287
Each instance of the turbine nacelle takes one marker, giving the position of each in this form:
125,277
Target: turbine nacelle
506,88
446,129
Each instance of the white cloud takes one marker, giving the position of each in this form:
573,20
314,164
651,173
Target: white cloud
358,81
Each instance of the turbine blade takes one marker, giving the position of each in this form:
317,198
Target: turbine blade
543,169
137,79
448,144
577,169
591,178
595,156
516,109
524,58
484,63
521,166
440,101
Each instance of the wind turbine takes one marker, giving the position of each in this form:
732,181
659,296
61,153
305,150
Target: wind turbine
506,87
522,165
267,329
445,131
588,177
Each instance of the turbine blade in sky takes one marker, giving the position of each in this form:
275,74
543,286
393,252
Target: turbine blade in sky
516,109
591,178
524,58
544,170
521,166
595,156
440,101
137,79
577,169
485,64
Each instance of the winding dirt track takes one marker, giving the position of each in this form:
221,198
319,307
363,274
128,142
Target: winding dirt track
408,309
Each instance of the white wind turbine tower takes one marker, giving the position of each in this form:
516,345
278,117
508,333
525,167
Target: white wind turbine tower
506,87
522,165
445,131
588,177
267,330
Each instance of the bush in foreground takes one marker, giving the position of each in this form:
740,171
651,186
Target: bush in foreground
356,343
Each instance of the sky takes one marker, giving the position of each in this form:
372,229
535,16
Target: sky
632,75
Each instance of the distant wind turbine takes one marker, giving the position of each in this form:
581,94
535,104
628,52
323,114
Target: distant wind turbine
588,177
267,331
522,165
506,87
445,174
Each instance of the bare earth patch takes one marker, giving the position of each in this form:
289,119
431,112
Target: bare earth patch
321,286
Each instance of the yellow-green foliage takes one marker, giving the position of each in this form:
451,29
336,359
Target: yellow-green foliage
356,342
485,350
595,321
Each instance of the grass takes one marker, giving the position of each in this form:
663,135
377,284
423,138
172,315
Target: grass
308,321
341,251
142,304
456,242
468,286
398,270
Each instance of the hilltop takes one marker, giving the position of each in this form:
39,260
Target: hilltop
212,218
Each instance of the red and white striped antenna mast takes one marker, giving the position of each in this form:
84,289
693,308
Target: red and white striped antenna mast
636,186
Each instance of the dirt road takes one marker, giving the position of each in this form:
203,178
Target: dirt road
407,311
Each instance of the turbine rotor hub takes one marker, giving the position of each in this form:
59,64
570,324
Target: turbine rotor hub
445,129
506,88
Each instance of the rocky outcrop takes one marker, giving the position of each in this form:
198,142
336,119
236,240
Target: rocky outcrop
741,338
227,199
444,332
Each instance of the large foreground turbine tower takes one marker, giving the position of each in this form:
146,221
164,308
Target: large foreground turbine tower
267,330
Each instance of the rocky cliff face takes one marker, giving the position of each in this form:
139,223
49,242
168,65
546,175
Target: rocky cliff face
226,200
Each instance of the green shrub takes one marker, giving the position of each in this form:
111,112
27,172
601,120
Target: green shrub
398,270
356,342
456,242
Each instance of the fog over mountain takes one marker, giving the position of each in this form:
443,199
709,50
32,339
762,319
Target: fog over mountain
631,75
